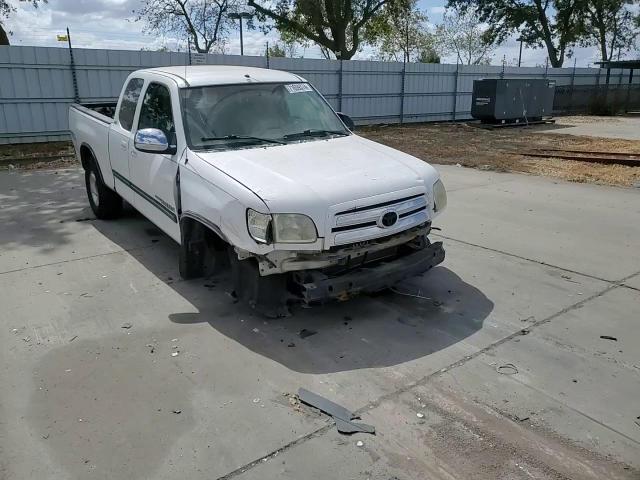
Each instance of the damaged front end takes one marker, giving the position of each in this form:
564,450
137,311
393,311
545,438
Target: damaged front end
317,286
271,281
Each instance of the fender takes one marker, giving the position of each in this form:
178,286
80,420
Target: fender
83,161
199,218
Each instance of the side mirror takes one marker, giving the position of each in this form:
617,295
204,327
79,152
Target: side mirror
346,119
152,140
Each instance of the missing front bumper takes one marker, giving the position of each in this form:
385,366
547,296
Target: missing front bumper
316,287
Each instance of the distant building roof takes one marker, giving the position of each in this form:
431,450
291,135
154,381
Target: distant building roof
632,64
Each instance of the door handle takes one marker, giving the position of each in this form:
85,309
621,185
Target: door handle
123,145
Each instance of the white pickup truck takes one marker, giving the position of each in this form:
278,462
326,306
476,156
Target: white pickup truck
256,163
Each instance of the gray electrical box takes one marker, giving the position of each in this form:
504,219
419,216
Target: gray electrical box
512,100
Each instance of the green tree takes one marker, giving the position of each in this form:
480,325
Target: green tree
429,56
277,50
611,25
292,43
6,10
402,33
205,23
462,34
552,24
336,25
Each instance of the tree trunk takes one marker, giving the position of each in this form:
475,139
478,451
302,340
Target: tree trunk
547,36
603,47
553,54
4,39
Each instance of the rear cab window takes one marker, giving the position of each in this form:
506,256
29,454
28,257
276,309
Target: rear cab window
129,102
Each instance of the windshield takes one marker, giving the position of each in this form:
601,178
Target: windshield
240,116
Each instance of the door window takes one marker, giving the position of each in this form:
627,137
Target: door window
129,102
156,111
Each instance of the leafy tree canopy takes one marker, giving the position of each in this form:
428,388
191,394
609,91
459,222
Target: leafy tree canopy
552,24
7,9
337,26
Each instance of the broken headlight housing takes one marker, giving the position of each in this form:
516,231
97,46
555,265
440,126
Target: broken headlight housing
281,227
439,196
293,228
259,226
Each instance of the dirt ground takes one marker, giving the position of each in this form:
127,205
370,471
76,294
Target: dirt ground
36,155
501,149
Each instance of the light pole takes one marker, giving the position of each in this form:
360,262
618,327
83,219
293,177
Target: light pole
520,56
239,16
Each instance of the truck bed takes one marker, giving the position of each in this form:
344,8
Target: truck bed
100,111
90,124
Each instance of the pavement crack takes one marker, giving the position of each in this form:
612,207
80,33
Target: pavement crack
424,380
70,260
569,407
484,185
539,262
274,453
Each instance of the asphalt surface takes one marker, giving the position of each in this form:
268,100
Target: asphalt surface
494,369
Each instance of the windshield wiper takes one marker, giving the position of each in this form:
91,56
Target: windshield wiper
315,133
242,137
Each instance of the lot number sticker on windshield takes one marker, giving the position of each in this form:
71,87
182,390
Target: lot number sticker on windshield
298,87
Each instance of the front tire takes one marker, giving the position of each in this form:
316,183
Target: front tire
268,295
105,203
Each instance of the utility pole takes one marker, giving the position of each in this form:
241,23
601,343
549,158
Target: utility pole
266,52
239,16
406,59
74,78
546,67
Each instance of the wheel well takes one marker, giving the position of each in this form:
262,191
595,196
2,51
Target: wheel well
85,156
201,250
194,230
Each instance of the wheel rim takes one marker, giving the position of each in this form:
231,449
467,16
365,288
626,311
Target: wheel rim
93,189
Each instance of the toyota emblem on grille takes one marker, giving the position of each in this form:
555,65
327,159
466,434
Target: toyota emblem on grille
388,219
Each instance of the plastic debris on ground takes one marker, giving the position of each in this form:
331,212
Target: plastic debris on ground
343,417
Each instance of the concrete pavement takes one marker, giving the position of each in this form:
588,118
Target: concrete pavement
626,128
83,397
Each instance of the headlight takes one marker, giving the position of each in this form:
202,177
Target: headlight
259,226
439,196
281,227
293,228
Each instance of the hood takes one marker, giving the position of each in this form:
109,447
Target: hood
290,177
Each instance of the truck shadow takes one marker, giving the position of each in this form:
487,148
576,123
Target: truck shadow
29,199
365,332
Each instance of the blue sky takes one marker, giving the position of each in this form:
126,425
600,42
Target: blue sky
109,24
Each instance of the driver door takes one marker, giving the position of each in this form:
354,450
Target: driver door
153,175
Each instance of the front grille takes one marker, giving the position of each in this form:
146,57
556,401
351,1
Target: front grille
364,222
414,231
411,212
378,205
352,227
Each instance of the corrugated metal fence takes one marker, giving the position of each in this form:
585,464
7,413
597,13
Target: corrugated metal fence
37,85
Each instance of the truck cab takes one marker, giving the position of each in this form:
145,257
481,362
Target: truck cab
256,163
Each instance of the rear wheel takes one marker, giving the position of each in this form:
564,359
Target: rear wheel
105,203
